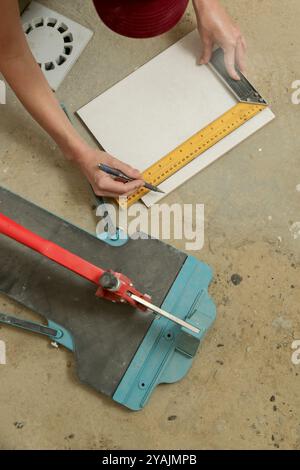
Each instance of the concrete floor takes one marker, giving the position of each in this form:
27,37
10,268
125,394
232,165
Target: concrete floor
243,390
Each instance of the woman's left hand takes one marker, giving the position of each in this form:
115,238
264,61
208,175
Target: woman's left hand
217,27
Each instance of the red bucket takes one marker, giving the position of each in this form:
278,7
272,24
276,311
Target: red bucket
140,18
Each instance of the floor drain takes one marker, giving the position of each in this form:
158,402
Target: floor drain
55,41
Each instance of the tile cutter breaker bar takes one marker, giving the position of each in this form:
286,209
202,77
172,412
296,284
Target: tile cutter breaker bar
112,285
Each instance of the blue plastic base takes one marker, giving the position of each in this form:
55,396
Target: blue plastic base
167,351
119,238
63,336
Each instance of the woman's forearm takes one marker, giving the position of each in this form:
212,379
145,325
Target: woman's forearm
28,82
25,77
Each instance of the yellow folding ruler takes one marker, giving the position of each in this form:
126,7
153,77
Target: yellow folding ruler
249,104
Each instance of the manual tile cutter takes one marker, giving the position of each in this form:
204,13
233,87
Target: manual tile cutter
121,348
112,286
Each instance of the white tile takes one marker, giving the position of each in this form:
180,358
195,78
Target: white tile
159,106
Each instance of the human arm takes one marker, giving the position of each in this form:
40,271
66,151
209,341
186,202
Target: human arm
217,27
25,77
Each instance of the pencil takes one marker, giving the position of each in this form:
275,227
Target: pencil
119,174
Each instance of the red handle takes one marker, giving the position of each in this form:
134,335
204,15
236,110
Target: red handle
49,249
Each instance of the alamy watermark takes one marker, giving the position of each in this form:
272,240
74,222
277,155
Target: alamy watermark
166,222
296,353
2,353
296,93
2,92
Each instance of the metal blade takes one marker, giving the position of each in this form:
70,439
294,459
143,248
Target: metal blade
165,314
27,325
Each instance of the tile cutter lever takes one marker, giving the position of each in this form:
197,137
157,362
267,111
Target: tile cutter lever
112,285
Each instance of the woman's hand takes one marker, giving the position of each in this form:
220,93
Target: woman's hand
217,27
102,183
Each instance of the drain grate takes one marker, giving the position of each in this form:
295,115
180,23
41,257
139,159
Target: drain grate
63,41
55,41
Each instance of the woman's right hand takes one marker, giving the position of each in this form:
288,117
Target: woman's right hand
102,183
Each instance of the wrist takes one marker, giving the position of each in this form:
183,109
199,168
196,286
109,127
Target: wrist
74,148
202,5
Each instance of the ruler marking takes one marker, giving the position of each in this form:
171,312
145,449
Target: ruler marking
200,142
